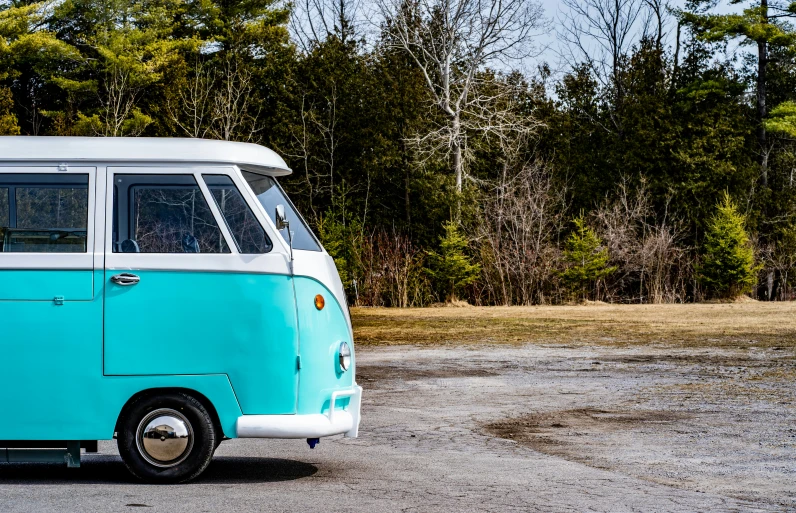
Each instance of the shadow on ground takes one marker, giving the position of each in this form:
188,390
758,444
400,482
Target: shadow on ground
110,469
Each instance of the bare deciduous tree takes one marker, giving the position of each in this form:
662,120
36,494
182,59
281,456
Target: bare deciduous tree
451,41
647,255
517,236
231,115
119,103
312,21
119,115
492,115
315,141
600,33
216,103
191,110
655,22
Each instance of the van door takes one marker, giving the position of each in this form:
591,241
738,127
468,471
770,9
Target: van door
52,326
194,285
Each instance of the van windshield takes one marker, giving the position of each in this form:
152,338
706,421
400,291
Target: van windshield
270,195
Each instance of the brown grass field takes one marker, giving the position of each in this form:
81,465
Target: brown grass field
731,325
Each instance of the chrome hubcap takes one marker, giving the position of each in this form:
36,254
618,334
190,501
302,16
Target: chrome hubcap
164,438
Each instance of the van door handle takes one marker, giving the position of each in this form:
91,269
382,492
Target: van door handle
125,279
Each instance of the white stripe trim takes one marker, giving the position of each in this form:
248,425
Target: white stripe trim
268,263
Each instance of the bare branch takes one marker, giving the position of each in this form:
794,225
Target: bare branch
451,42
231,116
599,33
193,109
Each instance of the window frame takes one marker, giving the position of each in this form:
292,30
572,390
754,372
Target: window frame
162,172
67,261
13,201
277,261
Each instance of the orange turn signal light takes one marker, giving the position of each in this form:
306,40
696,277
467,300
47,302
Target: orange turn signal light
319,302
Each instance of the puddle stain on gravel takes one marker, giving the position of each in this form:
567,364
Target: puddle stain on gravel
543,432
674,448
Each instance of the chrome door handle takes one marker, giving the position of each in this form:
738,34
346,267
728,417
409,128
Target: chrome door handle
125,279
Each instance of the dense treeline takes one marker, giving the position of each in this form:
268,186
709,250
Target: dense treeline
658,166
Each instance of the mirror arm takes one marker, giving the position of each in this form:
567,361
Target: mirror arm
290,242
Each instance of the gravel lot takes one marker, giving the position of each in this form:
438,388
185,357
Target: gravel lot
523,427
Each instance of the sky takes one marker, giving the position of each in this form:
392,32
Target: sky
550,47
555,12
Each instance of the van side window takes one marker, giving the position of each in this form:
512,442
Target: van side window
163,214
43,213
249,235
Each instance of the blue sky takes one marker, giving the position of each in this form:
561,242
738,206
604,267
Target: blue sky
555,12
548,41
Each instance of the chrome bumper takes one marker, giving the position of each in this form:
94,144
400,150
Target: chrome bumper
314,425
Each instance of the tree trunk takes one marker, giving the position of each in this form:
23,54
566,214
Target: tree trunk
762,63
457,151
407,177
406,198
770,286
677,50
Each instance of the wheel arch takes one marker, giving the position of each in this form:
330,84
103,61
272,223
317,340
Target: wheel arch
154,392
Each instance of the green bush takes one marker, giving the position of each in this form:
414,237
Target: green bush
585,260
452,267
728,267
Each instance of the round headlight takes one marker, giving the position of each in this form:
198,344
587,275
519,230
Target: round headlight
344,356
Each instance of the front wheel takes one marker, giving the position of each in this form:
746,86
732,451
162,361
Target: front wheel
167,438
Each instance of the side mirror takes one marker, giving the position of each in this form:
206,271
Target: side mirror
280,218
283,224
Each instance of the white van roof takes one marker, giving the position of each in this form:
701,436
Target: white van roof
247,156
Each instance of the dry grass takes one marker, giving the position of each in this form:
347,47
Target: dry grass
751,324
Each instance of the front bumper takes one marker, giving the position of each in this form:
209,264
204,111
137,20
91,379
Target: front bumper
315,425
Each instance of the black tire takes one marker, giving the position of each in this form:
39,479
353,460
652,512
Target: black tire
193,461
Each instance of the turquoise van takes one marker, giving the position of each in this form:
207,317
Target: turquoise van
165,293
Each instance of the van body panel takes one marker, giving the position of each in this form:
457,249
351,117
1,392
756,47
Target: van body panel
320,267
321,334
241,324
51,369
46,284
51,384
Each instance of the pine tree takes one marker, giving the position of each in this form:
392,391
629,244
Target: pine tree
760,24
27,47
782,119
8,120
451,266
728,264
586,260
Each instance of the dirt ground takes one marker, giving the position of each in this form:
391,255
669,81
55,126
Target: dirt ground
693,397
